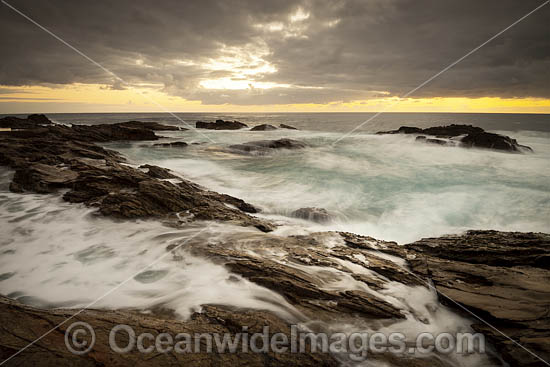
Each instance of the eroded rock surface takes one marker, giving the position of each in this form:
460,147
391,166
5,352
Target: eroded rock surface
503,277
22,324
46,159
304,270
158,172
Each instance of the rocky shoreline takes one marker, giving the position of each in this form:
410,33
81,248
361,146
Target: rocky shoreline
48,157
502,277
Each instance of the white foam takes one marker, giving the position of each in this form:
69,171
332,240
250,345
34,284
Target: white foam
59,254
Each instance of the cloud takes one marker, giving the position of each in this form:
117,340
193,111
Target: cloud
278,52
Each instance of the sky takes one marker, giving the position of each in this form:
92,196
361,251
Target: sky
274,56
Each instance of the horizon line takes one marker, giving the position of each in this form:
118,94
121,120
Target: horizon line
278,112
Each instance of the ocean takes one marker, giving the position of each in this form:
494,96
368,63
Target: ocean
390,187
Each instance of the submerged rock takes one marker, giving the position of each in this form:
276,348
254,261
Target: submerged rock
474,137
423,139
155,126
285,126
264,127
175,144
220,125
265,146
318,215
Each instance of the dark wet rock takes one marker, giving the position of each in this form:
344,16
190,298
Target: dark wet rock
319,215
23,324
61,157
473,137
220,125
438,142
402,130
452,130
175,144
264,127
374,250
157,172
107,132
42,178
264,146
285,126
494,141
296,276
124,192
423,139
32,121
41,126
39,119
503,277
240,204
441,131
155,126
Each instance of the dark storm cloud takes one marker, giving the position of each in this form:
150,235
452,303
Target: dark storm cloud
334,51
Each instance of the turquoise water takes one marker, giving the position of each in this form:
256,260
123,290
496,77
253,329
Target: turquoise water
388,187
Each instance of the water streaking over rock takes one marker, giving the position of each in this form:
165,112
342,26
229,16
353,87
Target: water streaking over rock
193,251
385,186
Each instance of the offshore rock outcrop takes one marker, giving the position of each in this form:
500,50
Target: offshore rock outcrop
46,159
263,127
220,125
175,144
319,215
266,146
473,137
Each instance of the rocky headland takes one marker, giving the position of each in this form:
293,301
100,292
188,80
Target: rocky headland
49,157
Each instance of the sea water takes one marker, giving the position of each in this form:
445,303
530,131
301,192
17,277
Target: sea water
57,254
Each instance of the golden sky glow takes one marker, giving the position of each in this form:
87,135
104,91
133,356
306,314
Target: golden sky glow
99,98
